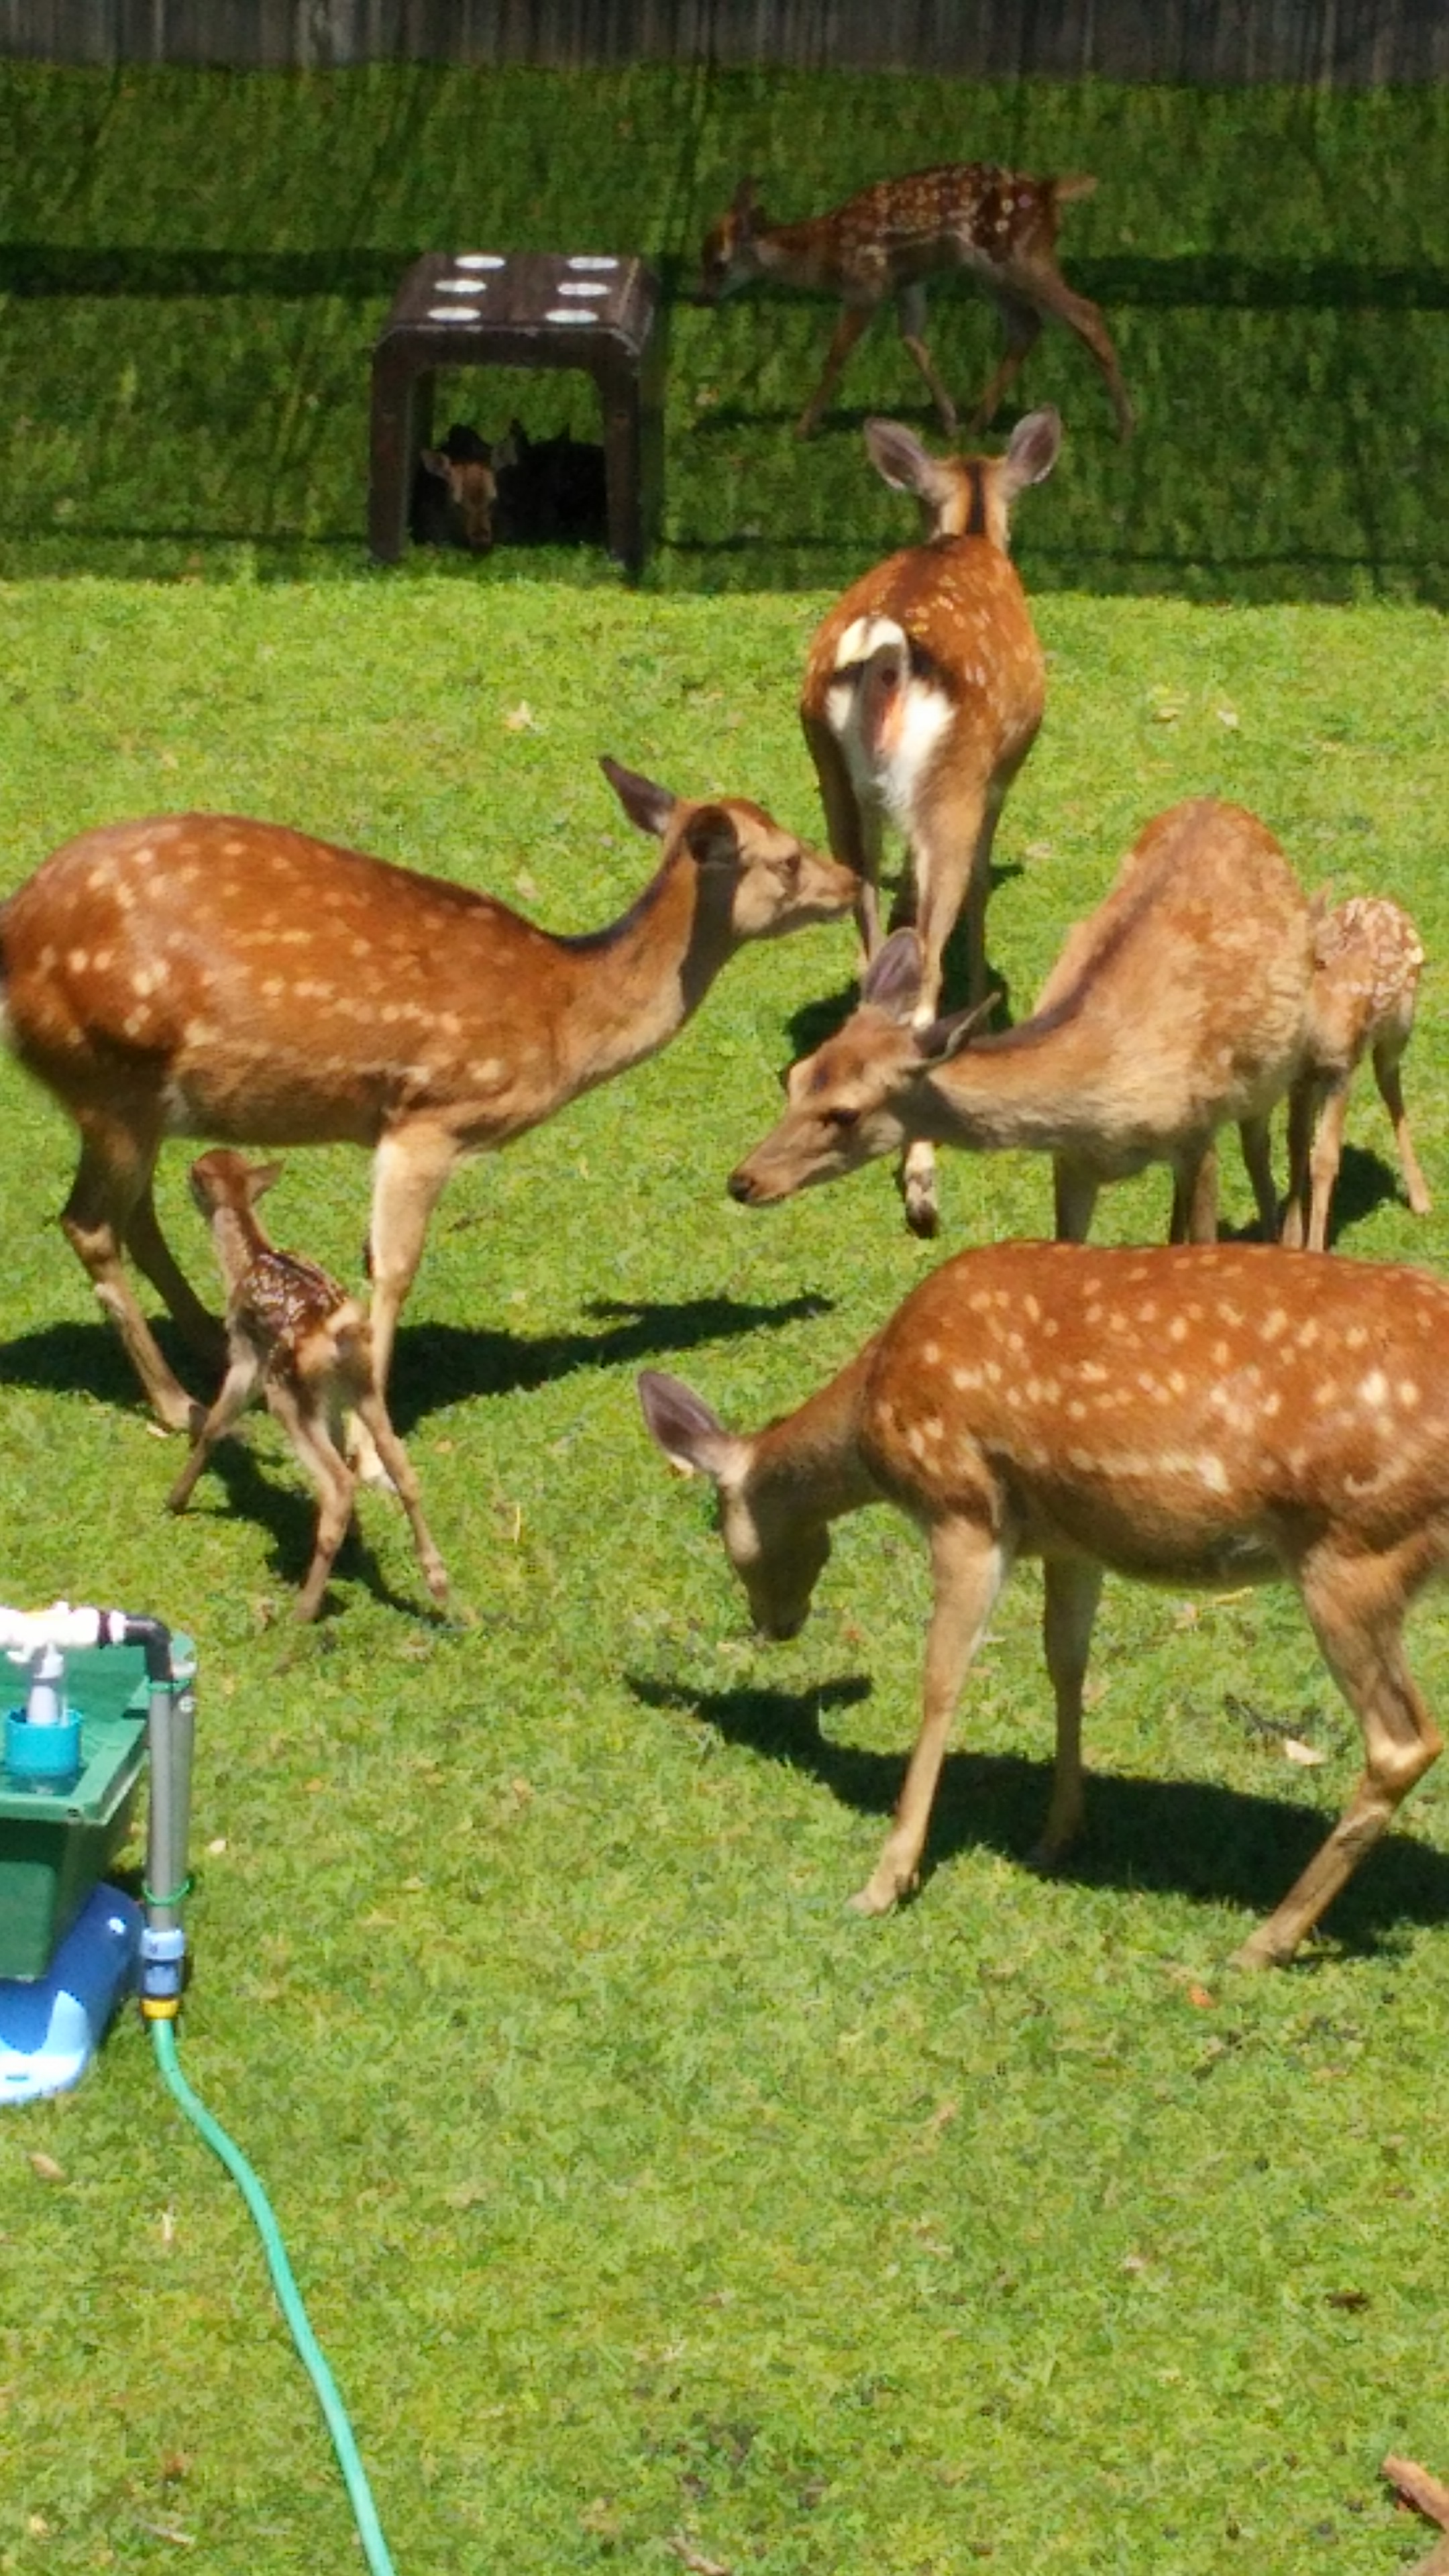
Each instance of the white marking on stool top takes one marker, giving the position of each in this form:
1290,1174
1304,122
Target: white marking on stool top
583,286
479,259
591,259
567,313
461,286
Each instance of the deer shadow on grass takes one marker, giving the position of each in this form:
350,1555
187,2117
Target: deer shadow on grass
1190,1838
434,1363
443,1363
279,1500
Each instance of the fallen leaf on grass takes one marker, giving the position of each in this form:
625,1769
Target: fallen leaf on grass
46,2167
1352,2300
1419,2487
1199,1996
1295,1750
520,719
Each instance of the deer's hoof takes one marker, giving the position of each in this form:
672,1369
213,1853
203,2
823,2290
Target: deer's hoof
923,1216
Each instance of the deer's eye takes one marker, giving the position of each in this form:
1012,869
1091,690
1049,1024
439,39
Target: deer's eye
842,1120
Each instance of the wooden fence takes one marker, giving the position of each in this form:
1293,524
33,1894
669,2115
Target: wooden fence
1323,43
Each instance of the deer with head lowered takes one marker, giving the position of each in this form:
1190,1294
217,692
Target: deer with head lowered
998,226
1177,1006
296,1337
923,694
1367,961
1185,1416
198,975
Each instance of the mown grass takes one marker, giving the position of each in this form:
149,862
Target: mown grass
195,266
638,2190
642,2197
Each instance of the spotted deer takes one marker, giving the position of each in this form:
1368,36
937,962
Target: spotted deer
999,226
1367,961
1178,1006
297,1338
197,975
923,694
1185,1416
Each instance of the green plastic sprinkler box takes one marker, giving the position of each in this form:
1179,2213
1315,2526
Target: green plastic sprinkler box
54,1846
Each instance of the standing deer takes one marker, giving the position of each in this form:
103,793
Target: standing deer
1367,958
1180,1004
997,225
293,1332
1184,1416
204,976
923,695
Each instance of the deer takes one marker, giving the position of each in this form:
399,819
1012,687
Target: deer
1367,961
1000,226
1179,1005
297,1337
201,975
1180,1414
923,694
456,490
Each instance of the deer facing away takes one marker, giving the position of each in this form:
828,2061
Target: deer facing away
1235,1414
1180,1004
203,976
295,1334
999,226
1367,961
923,694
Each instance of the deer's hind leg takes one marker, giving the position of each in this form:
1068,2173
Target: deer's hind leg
911,318
304,1422
109,1197
1356,1605
952,832
1386,1055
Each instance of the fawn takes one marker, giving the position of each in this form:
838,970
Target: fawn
1185,1416
293,1332
1180,1004
1367,958
923,694
456,490
998,225
203,976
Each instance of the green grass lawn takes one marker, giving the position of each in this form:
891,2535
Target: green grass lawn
638,2190
646,2201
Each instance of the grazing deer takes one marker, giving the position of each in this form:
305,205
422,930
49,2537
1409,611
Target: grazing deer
1367,958
203,976
923,694
293,1332
1183,1416
997,225
1178,1005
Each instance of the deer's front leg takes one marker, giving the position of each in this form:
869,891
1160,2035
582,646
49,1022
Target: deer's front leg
1073,1590
847,331
911,318
968,1569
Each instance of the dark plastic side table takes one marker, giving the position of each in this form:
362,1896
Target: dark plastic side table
522,309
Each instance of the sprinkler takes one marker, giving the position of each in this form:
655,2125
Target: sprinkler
107,1698
70,1946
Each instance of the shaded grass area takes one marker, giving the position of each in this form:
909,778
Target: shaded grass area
642,2197
194,267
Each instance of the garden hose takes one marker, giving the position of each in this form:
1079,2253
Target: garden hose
163,2033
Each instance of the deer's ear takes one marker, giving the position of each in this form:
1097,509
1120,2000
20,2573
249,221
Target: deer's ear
710,837
898,456
262,1177
945,1038
433,461
1032,449
691,1437
649,806
745,205
894,976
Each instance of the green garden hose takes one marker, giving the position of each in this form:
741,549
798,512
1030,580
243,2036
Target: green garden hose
359,2493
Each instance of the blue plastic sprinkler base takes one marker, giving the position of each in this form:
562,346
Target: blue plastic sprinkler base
51,2026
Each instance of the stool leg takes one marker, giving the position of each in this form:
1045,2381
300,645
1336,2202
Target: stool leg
402,406
624,465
